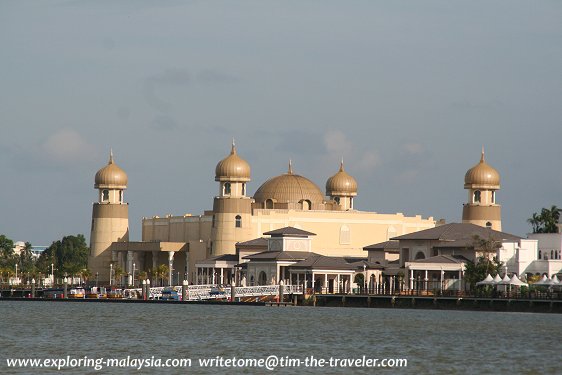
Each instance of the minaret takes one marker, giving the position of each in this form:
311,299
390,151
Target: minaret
342,188
110,218
232,208
482,181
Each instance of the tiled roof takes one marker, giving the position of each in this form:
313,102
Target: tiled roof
257,242
386,245
458,232
280,255
289,231
442,259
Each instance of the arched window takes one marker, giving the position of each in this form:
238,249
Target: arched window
345,235
552,254
306,204
488,225
337,199
262,278
269,203
540,254
105,195
420,255
238,221
493,197
477,197
227,188
120,196
213,222
243,189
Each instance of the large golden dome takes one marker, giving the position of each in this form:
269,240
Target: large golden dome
482,175
232,168
341,184
111,176
289,188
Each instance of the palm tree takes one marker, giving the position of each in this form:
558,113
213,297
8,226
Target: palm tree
546,221
119,273
487,247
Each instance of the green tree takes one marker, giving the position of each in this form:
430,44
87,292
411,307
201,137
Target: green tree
69,256
118,273
487,247
477,271
546,221
7,257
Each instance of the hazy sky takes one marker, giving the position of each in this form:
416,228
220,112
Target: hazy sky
407,92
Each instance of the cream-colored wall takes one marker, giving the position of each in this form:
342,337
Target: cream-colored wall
104,232
365,228
195,230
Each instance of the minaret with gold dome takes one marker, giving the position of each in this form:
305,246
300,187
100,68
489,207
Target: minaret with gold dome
482,181
342,188
110,218
232,208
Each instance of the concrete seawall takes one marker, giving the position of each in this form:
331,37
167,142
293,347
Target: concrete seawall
438,303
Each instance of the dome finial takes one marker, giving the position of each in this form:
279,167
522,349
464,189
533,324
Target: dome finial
233,149
341,165
482,157
110,156
290,171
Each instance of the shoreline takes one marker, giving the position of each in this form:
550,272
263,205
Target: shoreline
358,301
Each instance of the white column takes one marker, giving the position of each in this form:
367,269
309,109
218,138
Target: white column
442,278
326,282
187,265
222,276
298,279
460,279
425,279
313,290
130,261
337,283
170,266
411,279
154,260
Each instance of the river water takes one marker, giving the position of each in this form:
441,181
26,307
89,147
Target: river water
432,341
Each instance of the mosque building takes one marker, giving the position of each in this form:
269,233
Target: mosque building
193,244
290,231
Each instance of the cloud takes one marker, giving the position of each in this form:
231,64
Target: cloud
67,146
167,78
163,123
370,160
337,144
214,76
413,148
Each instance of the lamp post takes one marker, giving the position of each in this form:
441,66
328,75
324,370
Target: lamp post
110,274
365,277
52,274
65,291
134,265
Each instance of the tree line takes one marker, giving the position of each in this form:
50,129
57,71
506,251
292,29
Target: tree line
66,257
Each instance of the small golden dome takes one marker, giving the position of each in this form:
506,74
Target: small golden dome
289,188
232,168
482,175
111,176
341,184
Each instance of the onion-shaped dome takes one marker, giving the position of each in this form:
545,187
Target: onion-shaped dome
482,175
341,184
111,176
232,168
289,188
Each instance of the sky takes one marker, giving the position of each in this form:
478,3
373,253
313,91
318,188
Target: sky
406,92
